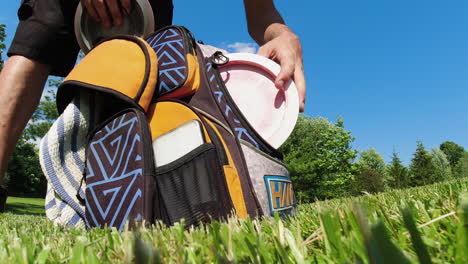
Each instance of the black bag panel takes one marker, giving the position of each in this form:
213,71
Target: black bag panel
194,188
120,172
251,204
205,99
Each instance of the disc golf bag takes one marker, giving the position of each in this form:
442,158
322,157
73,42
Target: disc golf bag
164,140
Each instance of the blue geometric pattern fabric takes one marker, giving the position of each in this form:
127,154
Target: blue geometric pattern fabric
169,48
114,173
239,130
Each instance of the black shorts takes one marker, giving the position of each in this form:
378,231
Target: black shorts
45,34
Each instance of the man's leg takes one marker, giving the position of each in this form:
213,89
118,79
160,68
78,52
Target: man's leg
21,83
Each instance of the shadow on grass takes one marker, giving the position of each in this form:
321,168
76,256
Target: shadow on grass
24,209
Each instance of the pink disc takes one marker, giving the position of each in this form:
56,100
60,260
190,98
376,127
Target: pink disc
272,112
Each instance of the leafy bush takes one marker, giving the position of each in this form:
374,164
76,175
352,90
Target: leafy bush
368,181
320,158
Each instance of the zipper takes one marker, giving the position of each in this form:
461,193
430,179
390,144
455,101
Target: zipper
217,142
189,39
149,169
146,135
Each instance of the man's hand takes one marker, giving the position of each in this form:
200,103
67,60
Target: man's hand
101,9
286,49
277,42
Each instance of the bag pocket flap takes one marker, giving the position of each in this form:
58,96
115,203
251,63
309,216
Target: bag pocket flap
179,74
123,66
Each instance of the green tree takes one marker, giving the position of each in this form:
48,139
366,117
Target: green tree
397,173
371,164
421,168
368,180
453,151
24,175
320,158
43,118
461,169
2,44
370,158
443,170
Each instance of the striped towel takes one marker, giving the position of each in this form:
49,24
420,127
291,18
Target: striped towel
62,158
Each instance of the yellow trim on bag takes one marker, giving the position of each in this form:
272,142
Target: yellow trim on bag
232,179
166,116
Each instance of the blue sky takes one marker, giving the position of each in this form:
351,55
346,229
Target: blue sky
396,71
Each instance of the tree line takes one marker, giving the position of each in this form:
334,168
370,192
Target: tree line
323,164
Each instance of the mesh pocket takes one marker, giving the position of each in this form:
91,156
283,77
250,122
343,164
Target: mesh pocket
193,188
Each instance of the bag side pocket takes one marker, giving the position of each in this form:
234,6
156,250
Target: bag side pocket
120,172
270,180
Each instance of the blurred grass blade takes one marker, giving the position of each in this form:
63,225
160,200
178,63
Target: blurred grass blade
43,255
78,250
143,253
419,246
462,233
91,257
380,248
332,231
387,251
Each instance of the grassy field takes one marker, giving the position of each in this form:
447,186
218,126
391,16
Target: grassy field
421,225
30,206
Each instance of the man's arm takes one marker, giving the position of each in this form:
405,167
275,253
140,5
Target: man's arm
278,42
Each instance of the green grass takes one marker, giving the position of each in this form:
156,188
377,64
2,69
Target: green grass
420,225
31,206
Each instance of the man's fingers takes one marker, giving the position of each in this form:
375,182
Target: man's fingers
90,8
264,51
299,81
114,9
286,72
101,9
127,5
